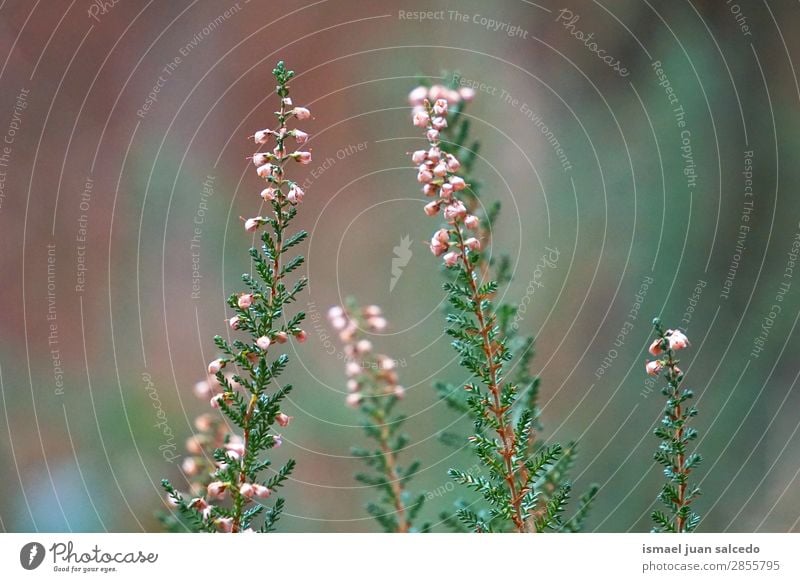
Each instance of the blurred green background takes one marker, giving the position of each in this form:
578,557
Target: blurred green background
98,176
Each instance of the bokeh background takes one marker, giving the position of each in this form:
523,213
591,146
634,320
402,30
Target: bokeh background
100,196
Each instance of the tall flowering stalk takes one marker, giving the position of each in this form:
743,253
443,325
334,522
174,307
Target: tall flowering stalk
251,396
373,388
675,434
515,471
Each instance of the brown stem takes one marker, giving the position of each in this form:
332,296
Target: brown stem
497,409
676,415
390,461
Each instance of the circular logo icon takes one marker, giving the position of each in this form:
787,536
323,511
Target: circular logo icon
31,555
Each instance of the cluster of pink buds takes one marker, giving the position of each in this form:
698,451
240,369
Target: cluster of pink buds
348,327
437,172
270,165
672,341
418,96
368,374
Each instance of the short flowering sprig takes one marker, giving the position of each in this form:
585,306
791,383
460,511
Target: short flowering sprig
502,436
373,388
675,435
230,503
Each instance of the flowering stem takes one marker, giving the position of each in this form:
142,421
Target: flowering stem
373,388
675,435
244,398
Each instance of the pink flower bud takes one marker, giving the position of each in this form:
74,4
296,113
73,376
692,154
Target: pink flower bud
654,367
472,222
387,363
233,322
447,190
437,92
421,119
335,312
263,343
216,489
260,159
377,323
295,195
424,176
452,163
252,224
216,365
189,466
364,346
432,134
224,524
353,385
301,336
202,389
655,347
399,391
455,211
439,123
283,419
440,107
353,400
302,157
193,445
432,208
277,440
204,422
372,311
442,235
430,189
472,243
245,300
458,183
677,340
438,248
246,490
261,136
261,491
281,337
338,323
467,93
264,171
235,449
301,113
417,96
419,156
352,369
215,401
440,170
434,154
268,194
451,259
300,136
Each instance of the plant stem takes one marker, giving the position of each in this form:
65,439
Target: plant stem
503,430
677,415
390,465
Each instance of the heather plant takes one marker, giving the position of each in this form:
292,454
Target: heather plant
675,434
373,389
241,477
523,481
